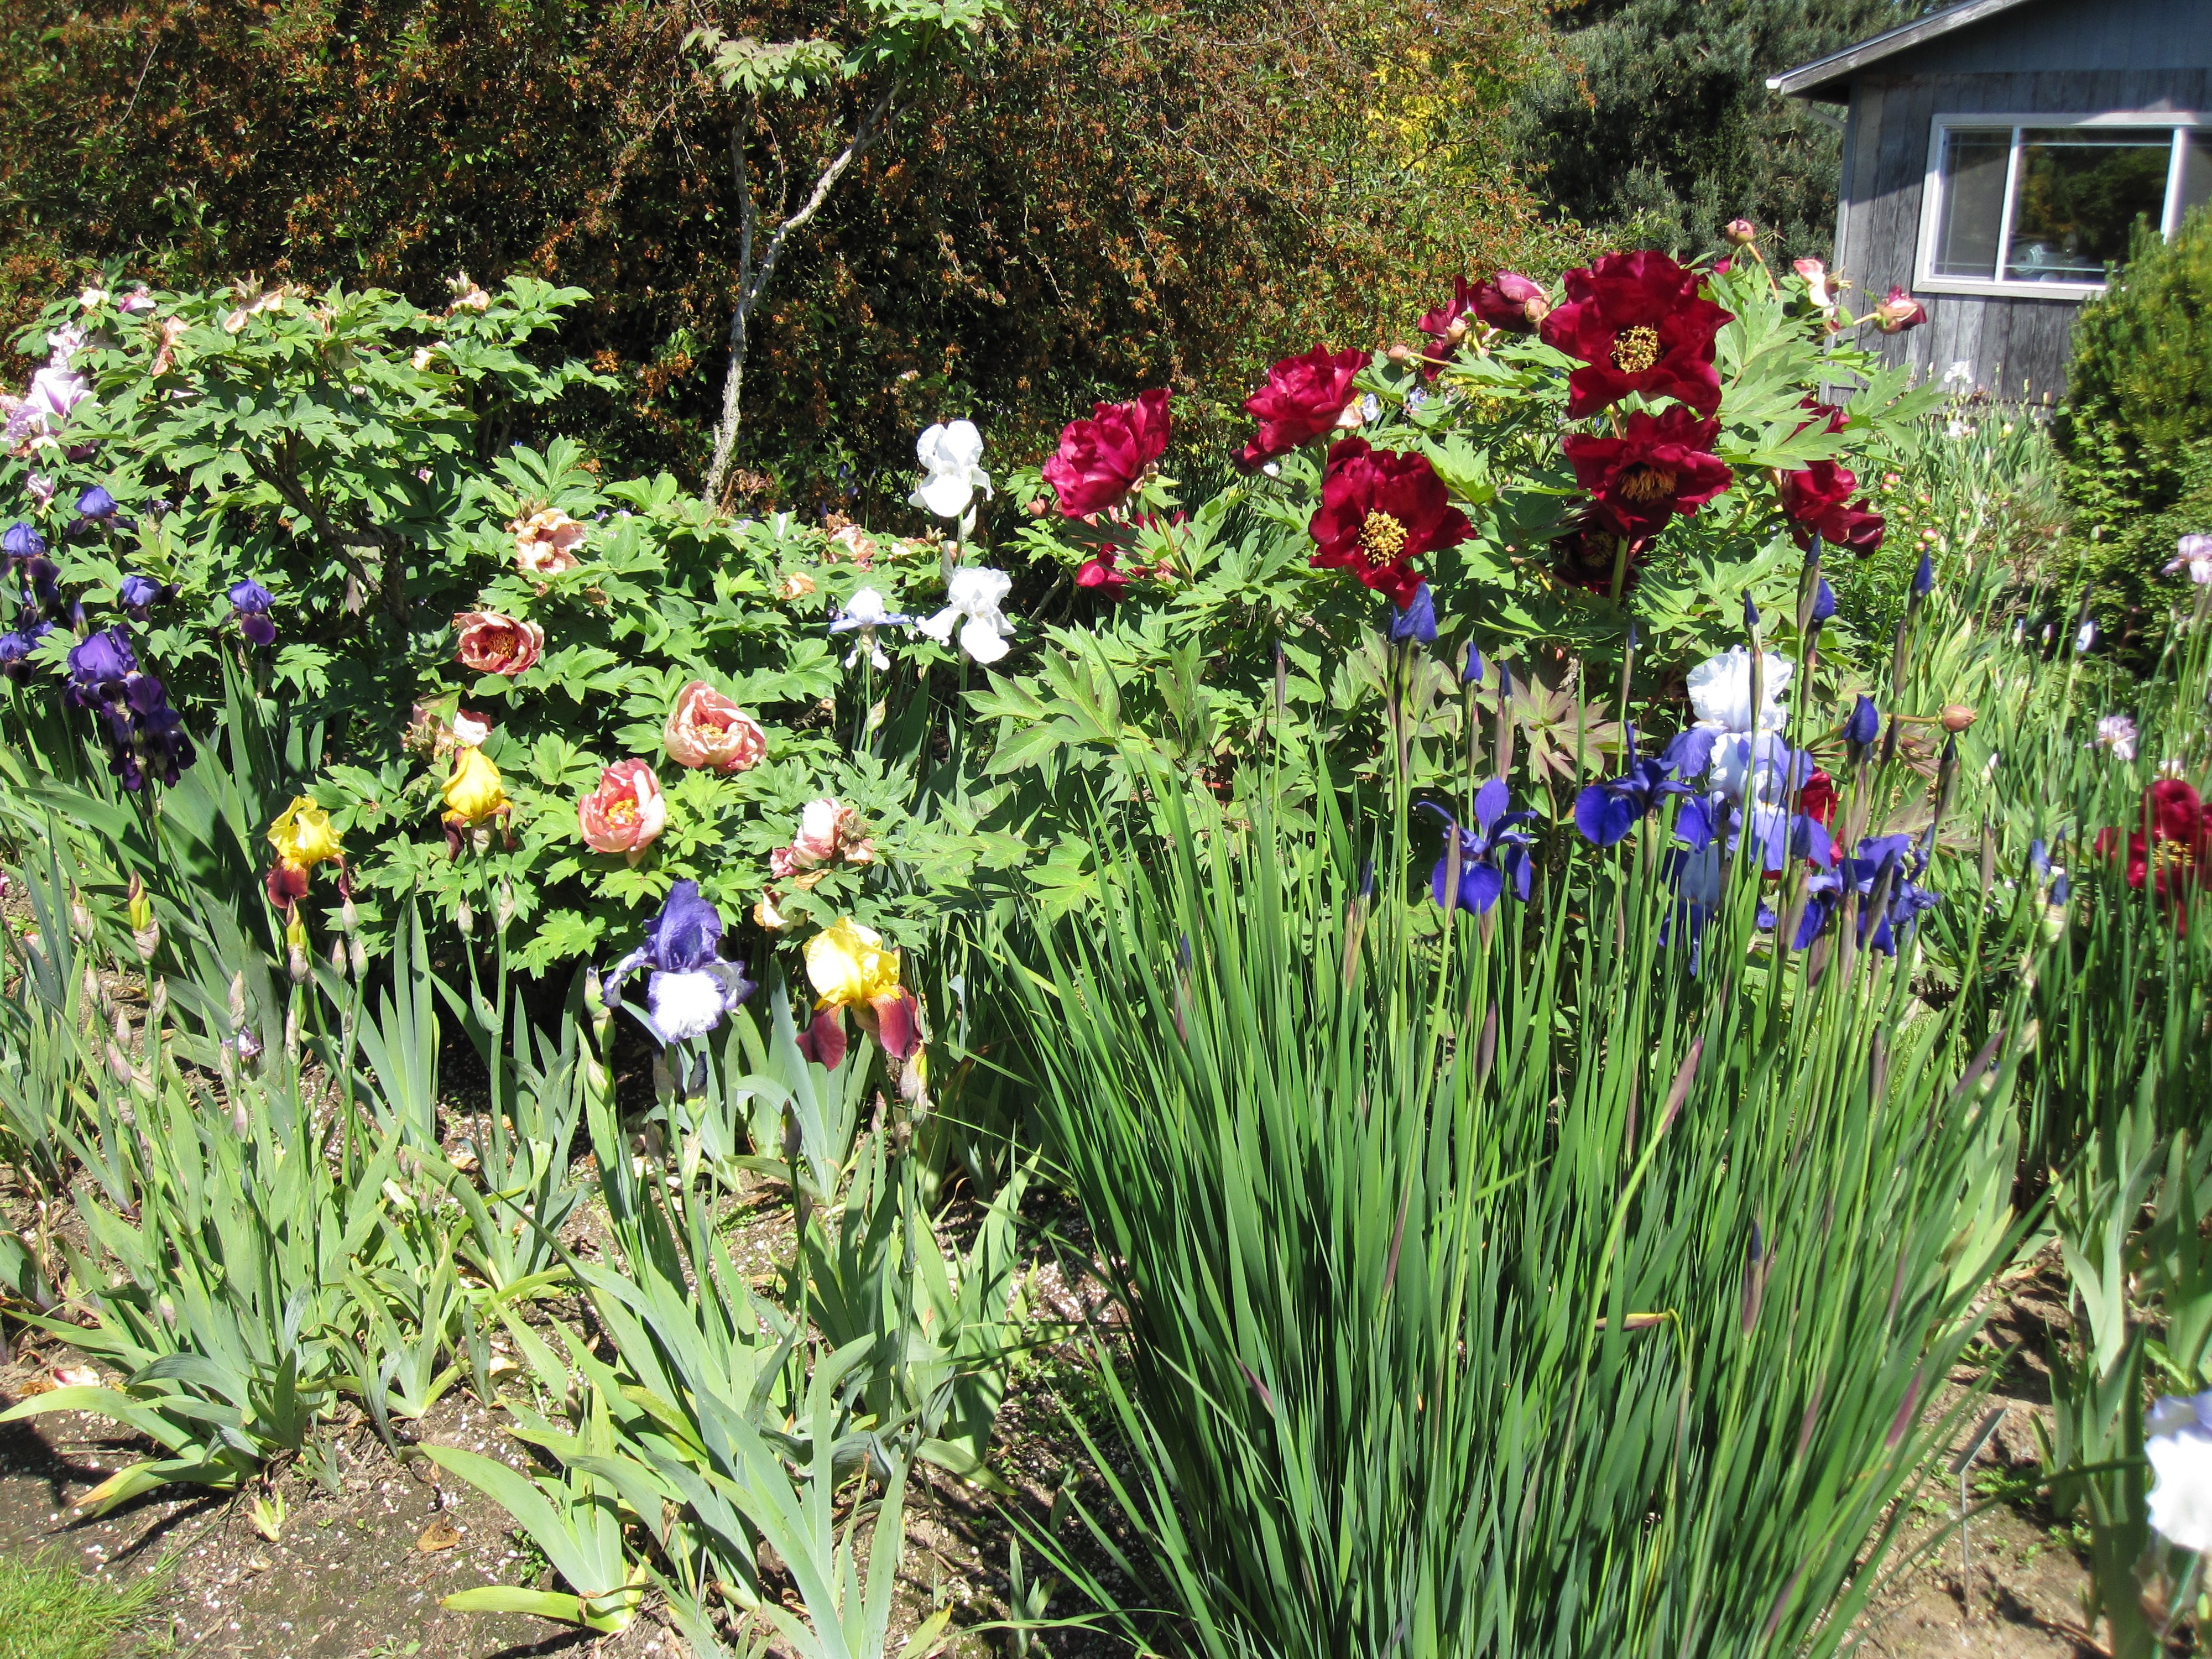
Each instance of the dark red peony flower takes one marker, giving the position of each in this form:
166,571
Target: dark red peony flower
1304,397
1638,321
1585,555
1380,510
1817,800
1510,301
1659,465
2177,853
1817,499
1101,459
1099,572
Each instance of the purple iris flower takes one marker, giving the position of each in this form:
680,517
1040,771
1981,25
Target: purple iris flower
1417,622
1606,812
95,504
1881,873
690,988
1924,579
1689,754
1491,855
250,603
22,541
137,594
1824,603
1471,674
1863,725
42,583
15,649
157,745
98,665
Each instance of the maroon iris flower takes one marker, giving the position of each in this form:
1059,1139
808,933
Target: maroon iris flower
1101,459
1304,398
1636,321
1659,465
1380,510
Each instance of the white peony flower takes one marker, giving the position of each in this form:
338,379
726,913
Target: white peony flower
2194,555
974,594
866,611
950,454
2118,734
2178,1440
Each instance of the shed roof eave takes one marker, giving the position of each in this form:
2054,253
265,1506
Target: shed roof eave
1828,79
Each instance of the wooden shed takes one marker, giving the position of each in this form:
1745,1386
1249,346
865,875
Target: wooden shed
1997,157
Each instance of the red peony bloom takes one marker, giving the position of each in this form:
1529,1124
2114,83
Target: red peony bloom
1638,321
1101,459
1817,800
1659,465
2177,853
1899,312
1098,572
1304,397
1381,509
1584,555
1510,301
1817,500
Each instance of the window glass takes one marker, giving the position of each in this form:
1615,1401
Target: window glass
2082,190
2195,168
1973,194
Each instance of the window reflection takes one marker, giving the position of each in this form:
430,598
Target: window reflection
2081,191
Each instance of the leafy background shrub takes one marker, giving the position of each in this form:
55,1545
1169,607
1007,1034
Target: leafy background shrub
1108,197
2135,434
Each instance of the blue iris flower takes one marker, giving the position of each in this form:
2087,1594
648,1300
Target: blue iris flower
1491,855
138,594
1882,874
1417,622
250,603
689,987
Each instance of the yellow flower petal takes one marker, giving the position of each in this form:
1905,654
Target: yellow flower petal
303,836
474,792
849,966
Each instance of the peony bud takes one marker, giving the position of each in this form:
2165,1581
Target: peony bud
1740,233
1957,717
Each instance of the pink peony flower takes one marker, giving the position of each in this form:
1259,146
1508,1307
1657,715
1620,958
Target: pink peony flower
546,543
705,728
626,814
828,830
1899,312
1102,460
492,643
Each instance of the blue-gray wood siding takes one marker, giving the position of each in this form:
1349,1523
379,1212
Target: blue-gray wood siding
2061,57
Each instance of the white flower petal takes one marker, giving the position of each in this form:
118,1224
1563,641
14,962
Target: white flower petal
939,627
981,640
961,444
2179,1448
684,1005
945,494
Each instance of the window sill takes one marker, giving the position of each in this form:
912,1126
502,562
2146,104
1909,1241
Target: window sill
1998,291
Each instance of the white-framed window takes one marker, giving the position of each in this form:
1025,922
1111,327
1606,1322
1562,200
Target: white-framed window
2042,204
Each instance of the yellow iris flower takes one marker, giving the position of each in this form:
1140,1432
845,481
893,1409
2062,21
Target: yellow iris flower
474,792
850,967
302,836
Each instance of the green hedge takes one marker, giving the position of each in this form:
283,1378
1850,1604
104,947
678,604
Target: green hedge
2135,436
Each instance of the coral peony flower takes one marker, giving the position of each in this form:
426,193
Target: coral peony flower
1899,312
493,643
850,967
1101,461
1638,321
705,728
546,543
1380,510
626,814
1659,465
475,791
1304,398
974,594
952,455
689,987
